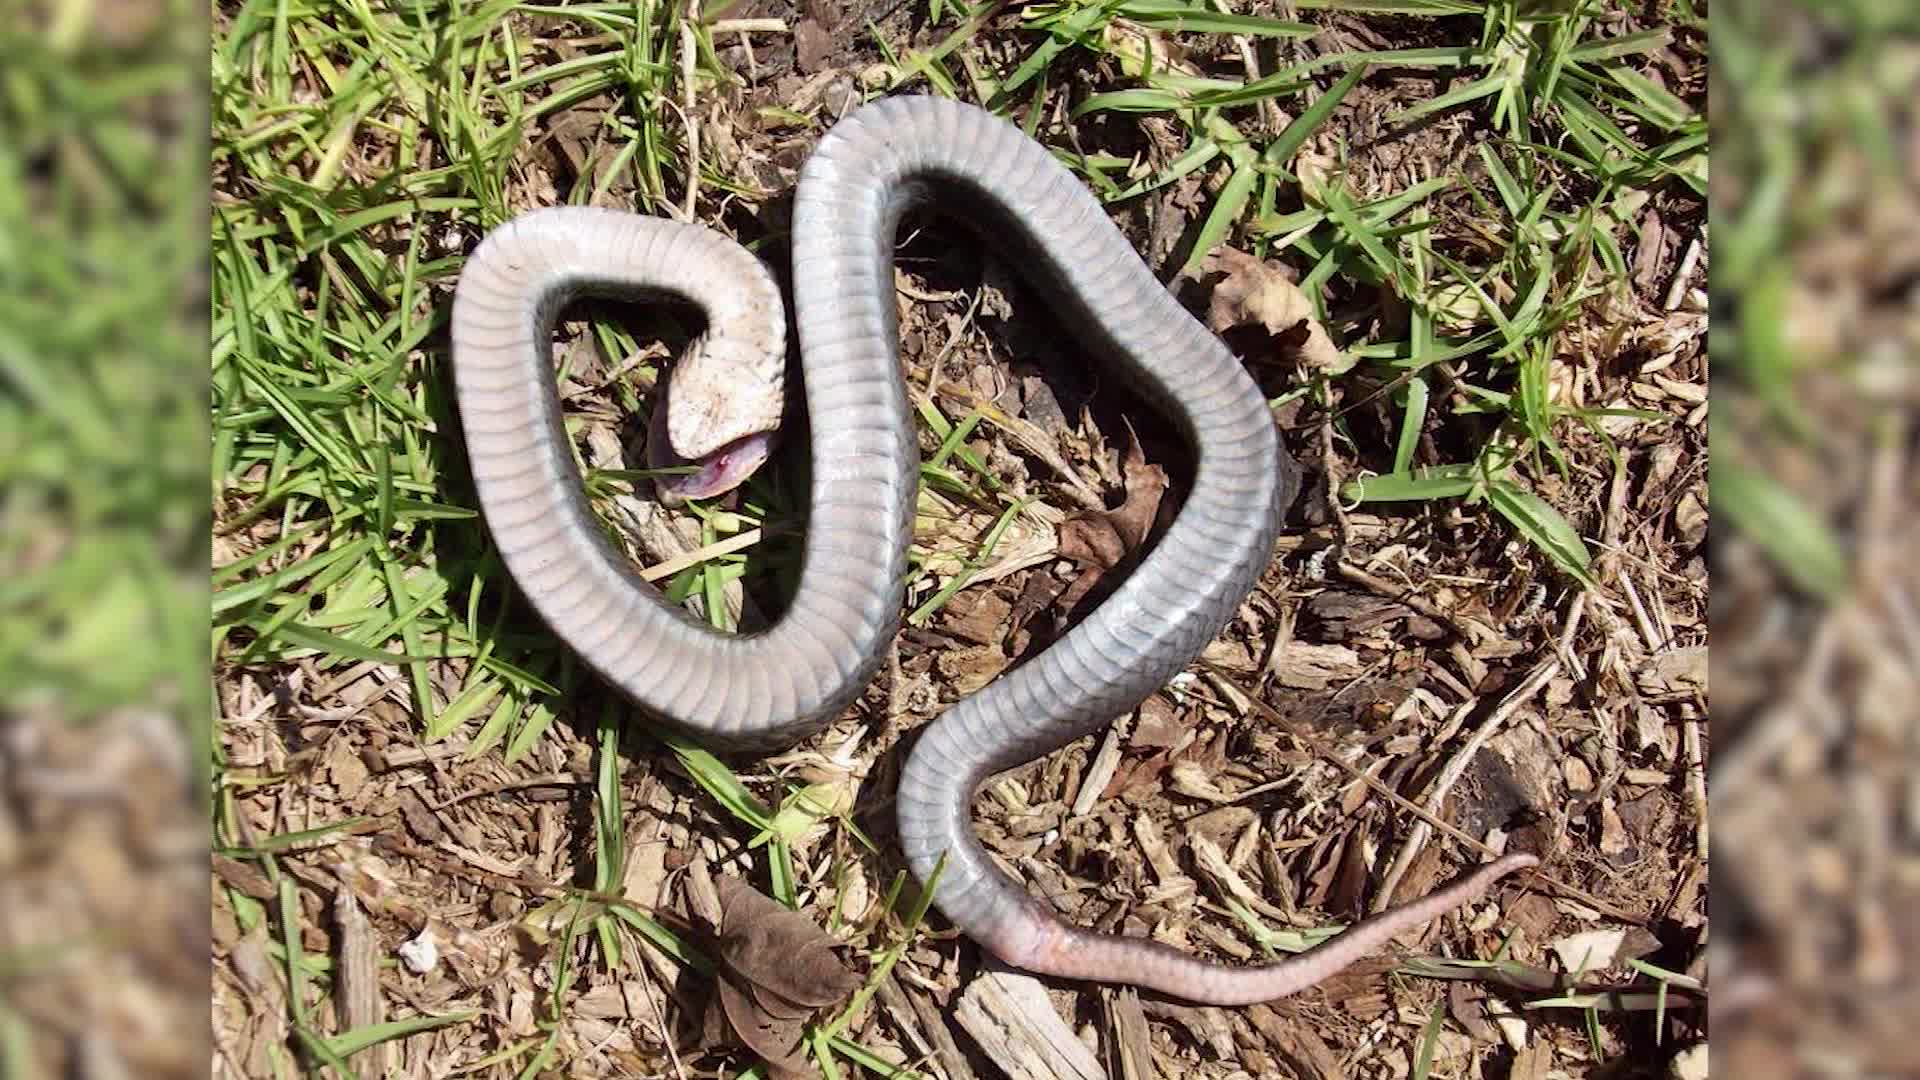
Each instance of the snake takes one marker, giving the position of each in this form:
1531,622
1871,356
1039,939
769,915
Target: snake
725,398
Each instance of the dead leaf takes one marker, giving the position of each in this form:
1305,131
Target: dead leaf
346,769
972,667
1098,542
780,949
1467,1003
1676,671
979,616
1614,838
1092,539
1250,294
1690,517
780,1041
777,967
1145,485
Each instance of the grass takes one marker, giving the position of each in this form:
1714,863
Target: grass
358,148
1565,178
100,519
103,518
1806,134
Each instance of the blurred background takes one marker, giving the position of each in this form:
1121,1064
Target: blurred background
104,704
104,511
1816,609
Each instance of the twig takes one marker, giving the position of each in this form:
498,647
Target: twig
688,46
1453,770
666,1032
1383,587
1359,775
1678,287
1331,467
1696,767
547,780
747,26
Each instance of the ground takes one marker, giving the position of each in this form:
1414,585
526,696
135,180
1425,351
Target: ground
1465,255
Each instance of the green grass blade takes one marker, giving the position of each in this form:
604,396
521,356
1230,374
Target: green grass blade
1544,526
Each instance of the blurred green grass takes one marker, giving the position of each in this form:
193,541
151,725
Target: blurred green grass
104,532
103,430
1816,289
1814,112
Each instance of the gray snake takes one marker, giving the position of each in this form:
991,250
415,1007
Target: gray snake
775,686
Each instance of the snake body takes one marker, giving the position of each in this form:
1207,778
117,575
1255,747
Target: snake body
773,687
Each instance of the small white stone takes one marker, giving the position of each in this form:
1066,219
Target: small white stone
1689,1064
420,953
1180,684
1589,950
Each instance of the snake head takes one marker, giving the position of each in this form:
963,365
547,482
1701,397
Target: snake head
723,406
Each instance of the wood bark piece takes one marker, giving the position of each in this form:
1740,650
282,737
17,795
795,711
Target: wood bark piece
358,979
932,1026
1014,1022
1132,1040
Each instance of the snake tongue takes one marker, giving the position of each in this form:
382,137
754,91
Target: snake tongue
715,474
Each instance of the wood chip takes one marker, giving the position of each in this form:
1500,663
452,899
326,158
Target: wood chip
1099,774
357,981
1207,1025
1306,666
1133,1041
1213,865
1010,1016
1296,1043
244,877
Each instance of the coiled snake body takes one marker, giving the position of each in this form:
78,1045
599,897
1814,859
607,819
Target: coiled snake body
778,685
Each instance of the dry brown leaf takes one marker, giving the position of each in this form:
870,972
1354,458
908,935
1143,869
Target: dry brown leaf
780,1041
979,616
971,667
1467,1003
1098,542
1251,294
1093,544
1145,485
1092,540
776,968
779,950
1534,1061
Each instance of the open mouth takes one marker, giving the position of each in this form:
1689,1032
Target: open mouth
715,474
